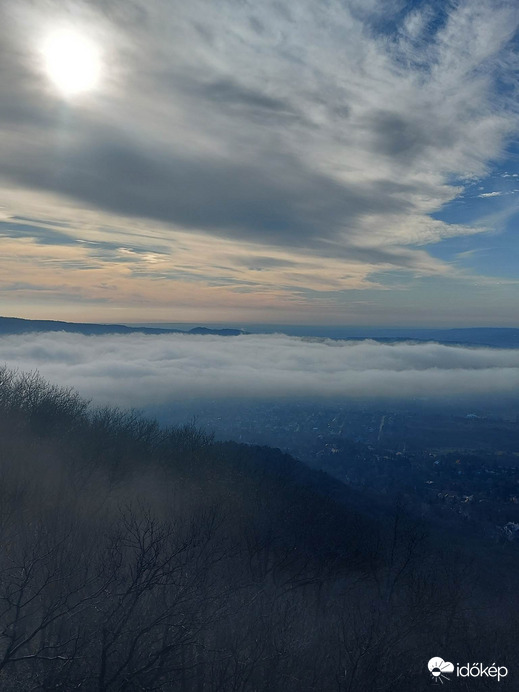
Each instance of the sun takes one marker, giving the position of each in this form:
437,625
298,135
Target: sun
72,61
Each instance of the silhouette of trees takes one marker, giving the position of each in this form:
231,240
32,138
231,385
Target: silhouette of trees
135,557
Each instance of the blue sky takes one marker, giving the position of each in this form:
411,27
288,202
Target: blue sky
344,162
491,202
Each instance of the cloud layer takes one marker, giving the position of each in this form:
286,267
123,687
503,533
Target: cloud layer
268,123
293,132
138,370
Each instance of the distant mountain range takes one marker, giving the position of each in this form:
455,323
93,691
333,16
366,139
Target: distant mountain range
16,325
496,337
503,337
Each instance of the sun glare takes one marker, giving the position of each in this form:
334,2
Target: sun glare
72,62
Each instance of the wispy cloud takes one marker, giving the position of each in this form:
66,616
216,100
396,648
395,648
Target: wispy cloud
326,130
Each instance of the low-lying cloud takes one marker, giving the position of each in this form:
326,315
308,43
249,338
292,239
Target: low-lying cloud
139,370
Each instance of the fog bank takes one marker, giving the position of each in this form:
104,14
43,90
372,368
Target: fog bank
140,370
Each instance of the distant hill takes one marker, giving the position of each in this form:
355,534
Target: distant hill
16,325
495,337
500,337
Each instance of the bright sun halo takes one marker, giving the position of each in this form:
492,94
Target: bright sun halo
72,62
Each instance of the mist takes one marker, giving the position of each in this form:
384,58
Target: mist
141,370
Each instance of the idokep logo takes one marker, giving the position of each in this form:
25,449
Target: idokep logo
478,670
438,669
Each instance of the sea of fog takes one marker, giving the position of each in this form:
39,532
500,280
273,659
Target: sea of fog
138,370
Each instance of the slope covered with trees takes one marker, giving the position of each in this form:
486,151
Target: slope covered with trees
135,557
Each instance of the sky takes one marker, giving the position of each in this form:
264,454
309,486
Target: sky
349,162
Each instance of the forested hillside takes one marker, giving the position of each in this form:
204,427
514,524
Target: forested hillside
135,557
